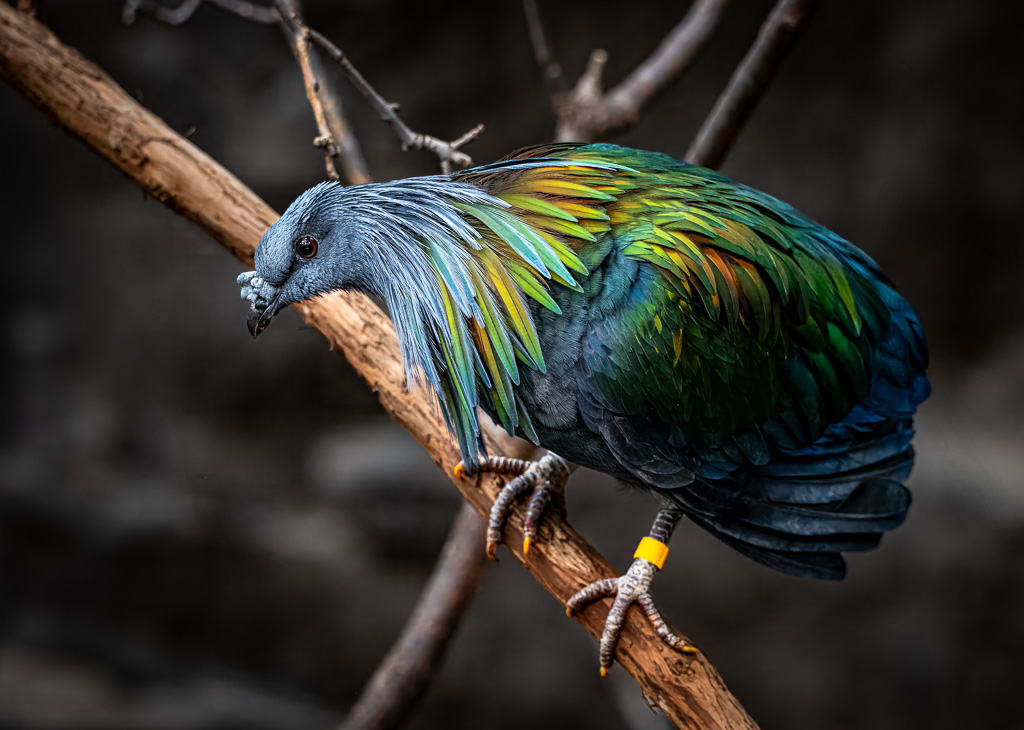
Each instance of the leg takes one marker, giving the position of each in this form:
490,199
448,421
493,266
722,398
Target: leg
633,587
546,477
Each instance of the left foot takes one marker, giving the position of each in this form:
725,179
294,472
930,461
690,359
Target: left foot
631,588
546,477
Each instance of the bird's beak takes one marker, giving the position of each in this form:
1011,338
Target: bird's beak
260,314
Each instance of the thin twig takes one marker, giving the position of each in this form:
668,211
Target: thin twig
413,661
335,136
350,154
176,16
554,79
448,153
590,115
340,140
299,40
750,80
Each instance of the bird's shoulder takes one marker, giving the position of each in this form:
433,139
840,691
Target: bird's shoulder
726,324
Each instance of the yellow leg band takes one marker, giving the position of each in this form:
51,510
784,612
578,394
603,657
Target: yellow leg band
653,551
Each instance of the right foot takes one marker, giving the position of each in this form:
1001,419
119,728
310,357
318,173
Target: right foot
546,476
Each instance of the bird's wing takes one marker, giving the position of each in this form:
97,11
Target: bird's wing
749,361
527,232
747,327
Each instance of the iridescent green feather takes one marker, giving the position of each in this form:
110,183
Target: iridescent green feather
526,244
750,321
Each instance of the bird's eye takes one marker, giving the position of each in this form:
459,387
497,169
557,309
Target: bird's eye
306,247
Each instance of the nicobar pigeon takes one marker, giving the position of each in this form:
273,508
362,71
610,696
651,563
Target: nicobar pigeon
643,317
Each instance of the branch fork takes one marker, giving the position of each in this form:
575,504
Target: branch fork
586,114
327,114
448,153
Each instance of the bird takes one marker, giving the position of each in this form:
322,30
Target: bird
644,317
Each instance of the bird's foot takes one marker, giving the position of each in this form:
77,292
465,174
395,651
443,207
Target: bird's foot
633,587
546,477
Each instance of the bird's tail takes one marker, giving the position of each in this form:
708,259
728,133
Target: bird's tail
798,513
798,516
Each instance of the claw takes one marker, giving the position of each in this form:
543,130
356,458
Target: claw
459,470
543,477
633,587
492,551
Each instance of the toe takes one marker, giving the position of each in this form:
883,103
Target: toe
613,627
589,594
661,626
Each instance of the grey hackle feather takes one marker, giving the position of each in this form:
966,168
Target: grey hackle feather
449,260
398,226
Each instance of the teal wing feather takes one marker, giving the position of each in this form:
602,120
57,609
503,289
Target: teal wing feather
754,365
748,327
525,241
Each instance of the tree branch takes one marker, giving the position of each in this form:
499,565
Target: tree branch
589,115
182,13
81,99
448,153
404,675
554,79
353,165
750,80
298,39
335,135
413,661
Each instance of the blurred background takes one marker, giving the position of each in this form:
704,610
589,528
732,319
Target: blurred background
201,532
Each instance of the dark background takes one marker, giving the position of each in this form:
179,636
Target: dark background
199,531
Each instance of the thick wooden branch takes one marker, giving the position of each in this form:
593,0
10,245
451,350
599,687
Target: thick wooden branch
750,80
81,99
590,116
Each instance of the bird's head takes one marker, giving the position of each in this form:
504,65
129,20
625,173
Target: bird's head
383,239
313,249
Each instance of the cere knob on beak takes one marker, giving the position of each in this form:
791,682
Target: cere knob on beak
265,299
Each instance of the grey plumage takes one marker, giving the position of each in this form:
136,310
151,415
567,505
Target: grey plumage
378,239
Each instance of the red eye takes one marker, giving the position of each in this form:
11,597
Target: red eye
305,247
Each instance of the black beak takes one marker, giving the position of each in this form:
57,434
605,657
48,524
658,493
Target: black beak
260,314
